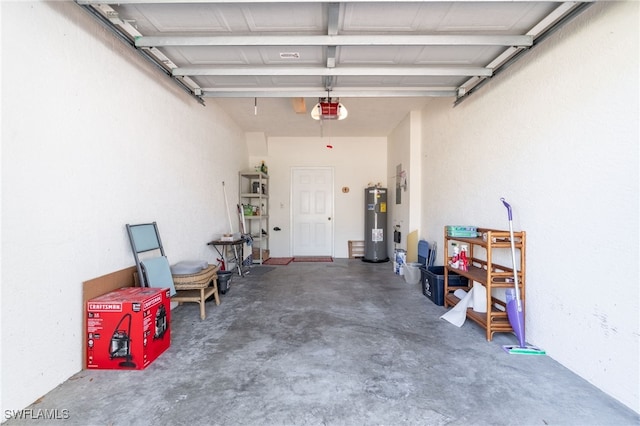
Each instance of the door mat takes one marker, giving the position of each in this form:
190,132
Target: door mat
313,259
278,261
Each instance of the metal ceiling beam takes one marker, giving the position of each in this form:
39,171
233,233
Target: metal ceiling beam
331,56
90,2
338,40
333,20
544,29
321,71
553,18
124,32
517,46
328,82
346,92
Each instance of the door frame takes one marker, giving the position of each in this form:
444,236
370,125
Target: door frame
332,194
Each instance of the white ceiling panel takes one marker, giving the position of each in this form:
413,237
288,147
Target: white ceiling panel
457,55
185,18
294,81
253,82
399,82
199,55
483,17
285,17
368,53
389,17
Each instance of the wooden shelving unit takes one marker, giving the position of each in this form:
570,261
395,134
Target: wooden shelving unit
254,191
482,269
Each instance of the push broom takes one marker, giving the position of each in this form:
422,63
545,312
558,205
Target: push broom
515,311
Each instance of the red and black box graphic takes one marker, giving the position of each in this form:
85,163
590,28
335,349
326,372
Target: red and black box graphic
128,328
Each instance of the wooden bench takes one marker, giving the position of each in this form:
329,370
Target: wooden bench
196,288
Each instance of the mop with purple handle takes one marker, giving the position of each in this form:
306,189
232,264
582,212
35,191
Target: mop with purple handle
515,311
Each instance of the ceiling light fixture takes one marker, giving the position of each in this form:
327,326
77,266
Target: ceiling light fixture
329,109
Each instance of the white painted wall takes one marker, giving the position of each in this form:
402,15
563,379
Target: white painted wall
89,143
414,183
405,148
398,153
557,135
356,162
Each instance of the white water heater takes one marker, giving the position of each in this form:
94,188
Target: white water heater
375,225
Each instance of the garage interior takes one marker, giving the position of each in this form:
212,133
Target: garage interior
471,101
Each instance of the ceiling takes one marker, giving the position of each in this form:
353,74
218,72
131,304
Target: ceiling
267,62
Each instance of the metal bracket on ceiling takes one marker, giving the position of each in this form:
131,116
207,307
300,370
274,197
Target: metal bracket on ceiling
562,15
126,33
328,83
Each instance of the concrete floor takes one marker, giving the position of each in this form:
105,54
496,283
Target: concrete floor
342,343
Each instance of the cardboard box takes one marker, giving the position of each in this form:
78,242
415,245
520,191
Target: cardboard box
97,287
128,328
256,254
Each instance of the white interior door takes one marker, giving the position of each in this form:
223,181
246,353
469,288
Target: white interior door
312,211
